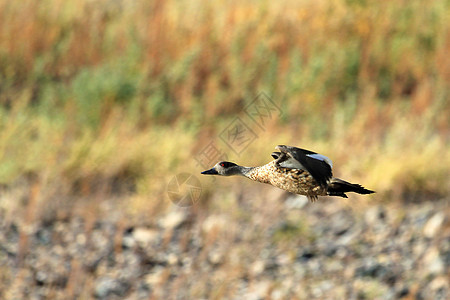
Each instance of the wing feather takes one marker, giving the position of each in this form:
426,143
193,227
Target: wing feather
317,165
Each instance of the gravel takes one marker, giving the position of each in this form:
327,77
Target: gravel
323,250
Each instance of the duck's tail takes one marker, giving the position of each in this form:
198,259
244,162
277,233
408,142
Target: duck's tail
338,187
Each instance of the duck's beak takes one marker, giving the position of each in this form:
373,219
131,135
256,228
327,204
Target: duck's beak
210,172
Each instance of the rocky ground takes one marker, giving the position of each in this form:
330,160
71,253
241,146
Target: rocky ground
284,249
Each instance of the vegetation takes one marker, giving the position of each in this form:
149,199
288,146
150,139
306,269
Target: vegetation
106,101
109,90
106,89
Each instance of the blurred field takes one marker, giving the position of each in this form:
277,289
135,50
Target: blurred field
103,102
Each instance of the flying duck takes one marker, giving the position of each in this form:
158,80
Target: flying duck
295,170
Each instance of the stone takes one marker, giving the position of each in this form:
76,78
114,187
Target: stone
296,202
440,282
262,288
214,222
144,236
433,262
376,270
433,224
107,286
257,268
215,257
375,214
173,220
155,277
172,259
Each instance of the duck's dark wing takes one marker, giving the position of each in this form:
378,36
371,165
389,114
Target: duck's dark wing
276,155
296,158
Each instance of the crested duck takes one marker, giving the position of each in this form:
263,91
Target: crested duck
295,170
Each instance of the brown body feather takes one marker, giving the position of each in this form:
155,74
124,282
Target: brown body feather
296,181
301,182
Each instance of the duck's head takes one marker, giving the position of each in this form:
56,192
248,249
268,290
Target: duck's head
223,168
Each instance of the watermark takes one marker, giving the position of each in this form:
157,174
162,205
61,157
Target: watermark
238,135
210,153
242,131
184,190
262,109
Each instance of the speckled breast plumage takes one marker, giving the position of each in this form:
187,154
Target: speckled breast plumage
292,180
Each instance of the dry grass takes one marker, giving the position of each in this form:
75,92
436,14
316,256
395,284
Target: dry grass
132,92
105,90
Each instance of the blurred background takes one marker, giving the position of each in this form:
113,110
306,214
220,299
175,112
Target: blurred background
110,109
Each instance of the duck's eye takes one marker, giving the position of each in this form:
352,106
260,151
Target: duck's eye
222,164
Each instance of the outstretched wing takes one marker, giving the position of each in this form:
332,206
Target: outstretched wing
317,165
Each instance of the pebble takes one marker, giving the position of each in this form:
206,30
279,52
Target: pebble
377,271
172,259
155,277
106,287
259,290
375,214
173,219
214,222
296,202
433,262
215,257
433,224
257,268
332,252
144,236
